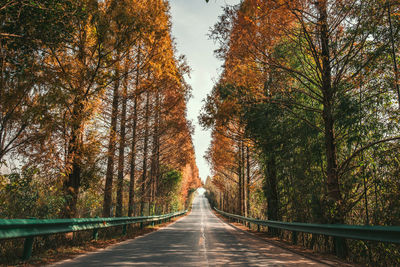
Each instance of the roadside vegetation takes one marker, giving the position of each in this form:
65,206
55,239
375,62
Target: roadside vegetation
305,117
92,111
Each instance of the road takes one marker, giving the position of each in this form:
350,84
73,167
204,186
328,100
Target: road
199,239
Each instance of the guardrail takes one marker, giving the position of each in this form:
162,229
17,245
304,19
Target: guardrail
390,234
30,228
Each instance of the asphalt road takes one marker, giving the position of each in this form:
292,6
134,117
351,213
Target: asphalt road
199,239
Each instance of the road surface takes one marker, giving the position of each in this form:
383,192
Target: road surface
199,239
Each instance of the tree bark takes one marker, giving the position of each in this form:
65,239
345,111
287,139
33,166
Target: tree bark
244,212
131,203
393,51
72,183
239,180
333,194
155,153
121,153
328,102
145,146
271,192
111,147
133,161
248,180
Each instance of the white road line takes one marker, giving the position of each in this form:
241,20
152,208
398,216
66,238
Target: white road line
203,235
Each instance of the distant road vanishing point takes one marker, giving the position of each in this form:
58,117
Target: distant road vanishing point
199,239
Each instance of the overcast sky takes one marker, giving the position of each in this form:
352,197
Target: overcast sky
191,21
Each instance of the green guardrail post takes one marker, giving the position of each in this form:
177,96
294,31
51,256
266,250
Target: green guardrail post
294,237
124,229
95,234
340,247
141,225
28,245
258,228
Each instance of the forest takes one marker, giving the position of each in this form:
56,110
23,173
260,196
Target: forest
305,117
92,110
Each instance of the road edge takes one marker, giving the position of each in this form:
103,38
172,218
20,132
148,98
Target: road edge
56,256
328,262
120,243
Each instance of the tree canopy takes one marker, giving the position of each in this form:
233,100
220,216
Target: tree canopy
309,92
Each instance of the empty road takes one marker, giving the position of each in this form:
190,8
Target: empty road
199,239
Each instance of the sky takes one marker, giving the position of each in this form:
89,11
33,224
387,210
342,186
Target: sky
191,22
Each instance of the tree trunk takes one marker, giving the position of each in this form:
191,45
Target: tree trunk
393,52
155,153
111,148
243,180
328,93
131,203
248,180
133,161
157,174
121,154
72,183
239,181
71,190
271,192
145,146
333,193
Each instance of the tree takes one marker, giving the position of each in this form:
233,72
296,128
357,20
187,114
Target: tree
26,29
308,83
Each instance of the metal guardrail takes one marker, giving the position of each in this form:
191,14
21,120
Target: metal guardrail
30,228
390,234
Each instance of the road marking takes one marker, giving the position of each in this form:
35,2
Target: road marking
203,234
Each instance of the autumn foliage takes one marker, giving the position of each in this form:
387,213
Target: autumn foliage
305,116
92,110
